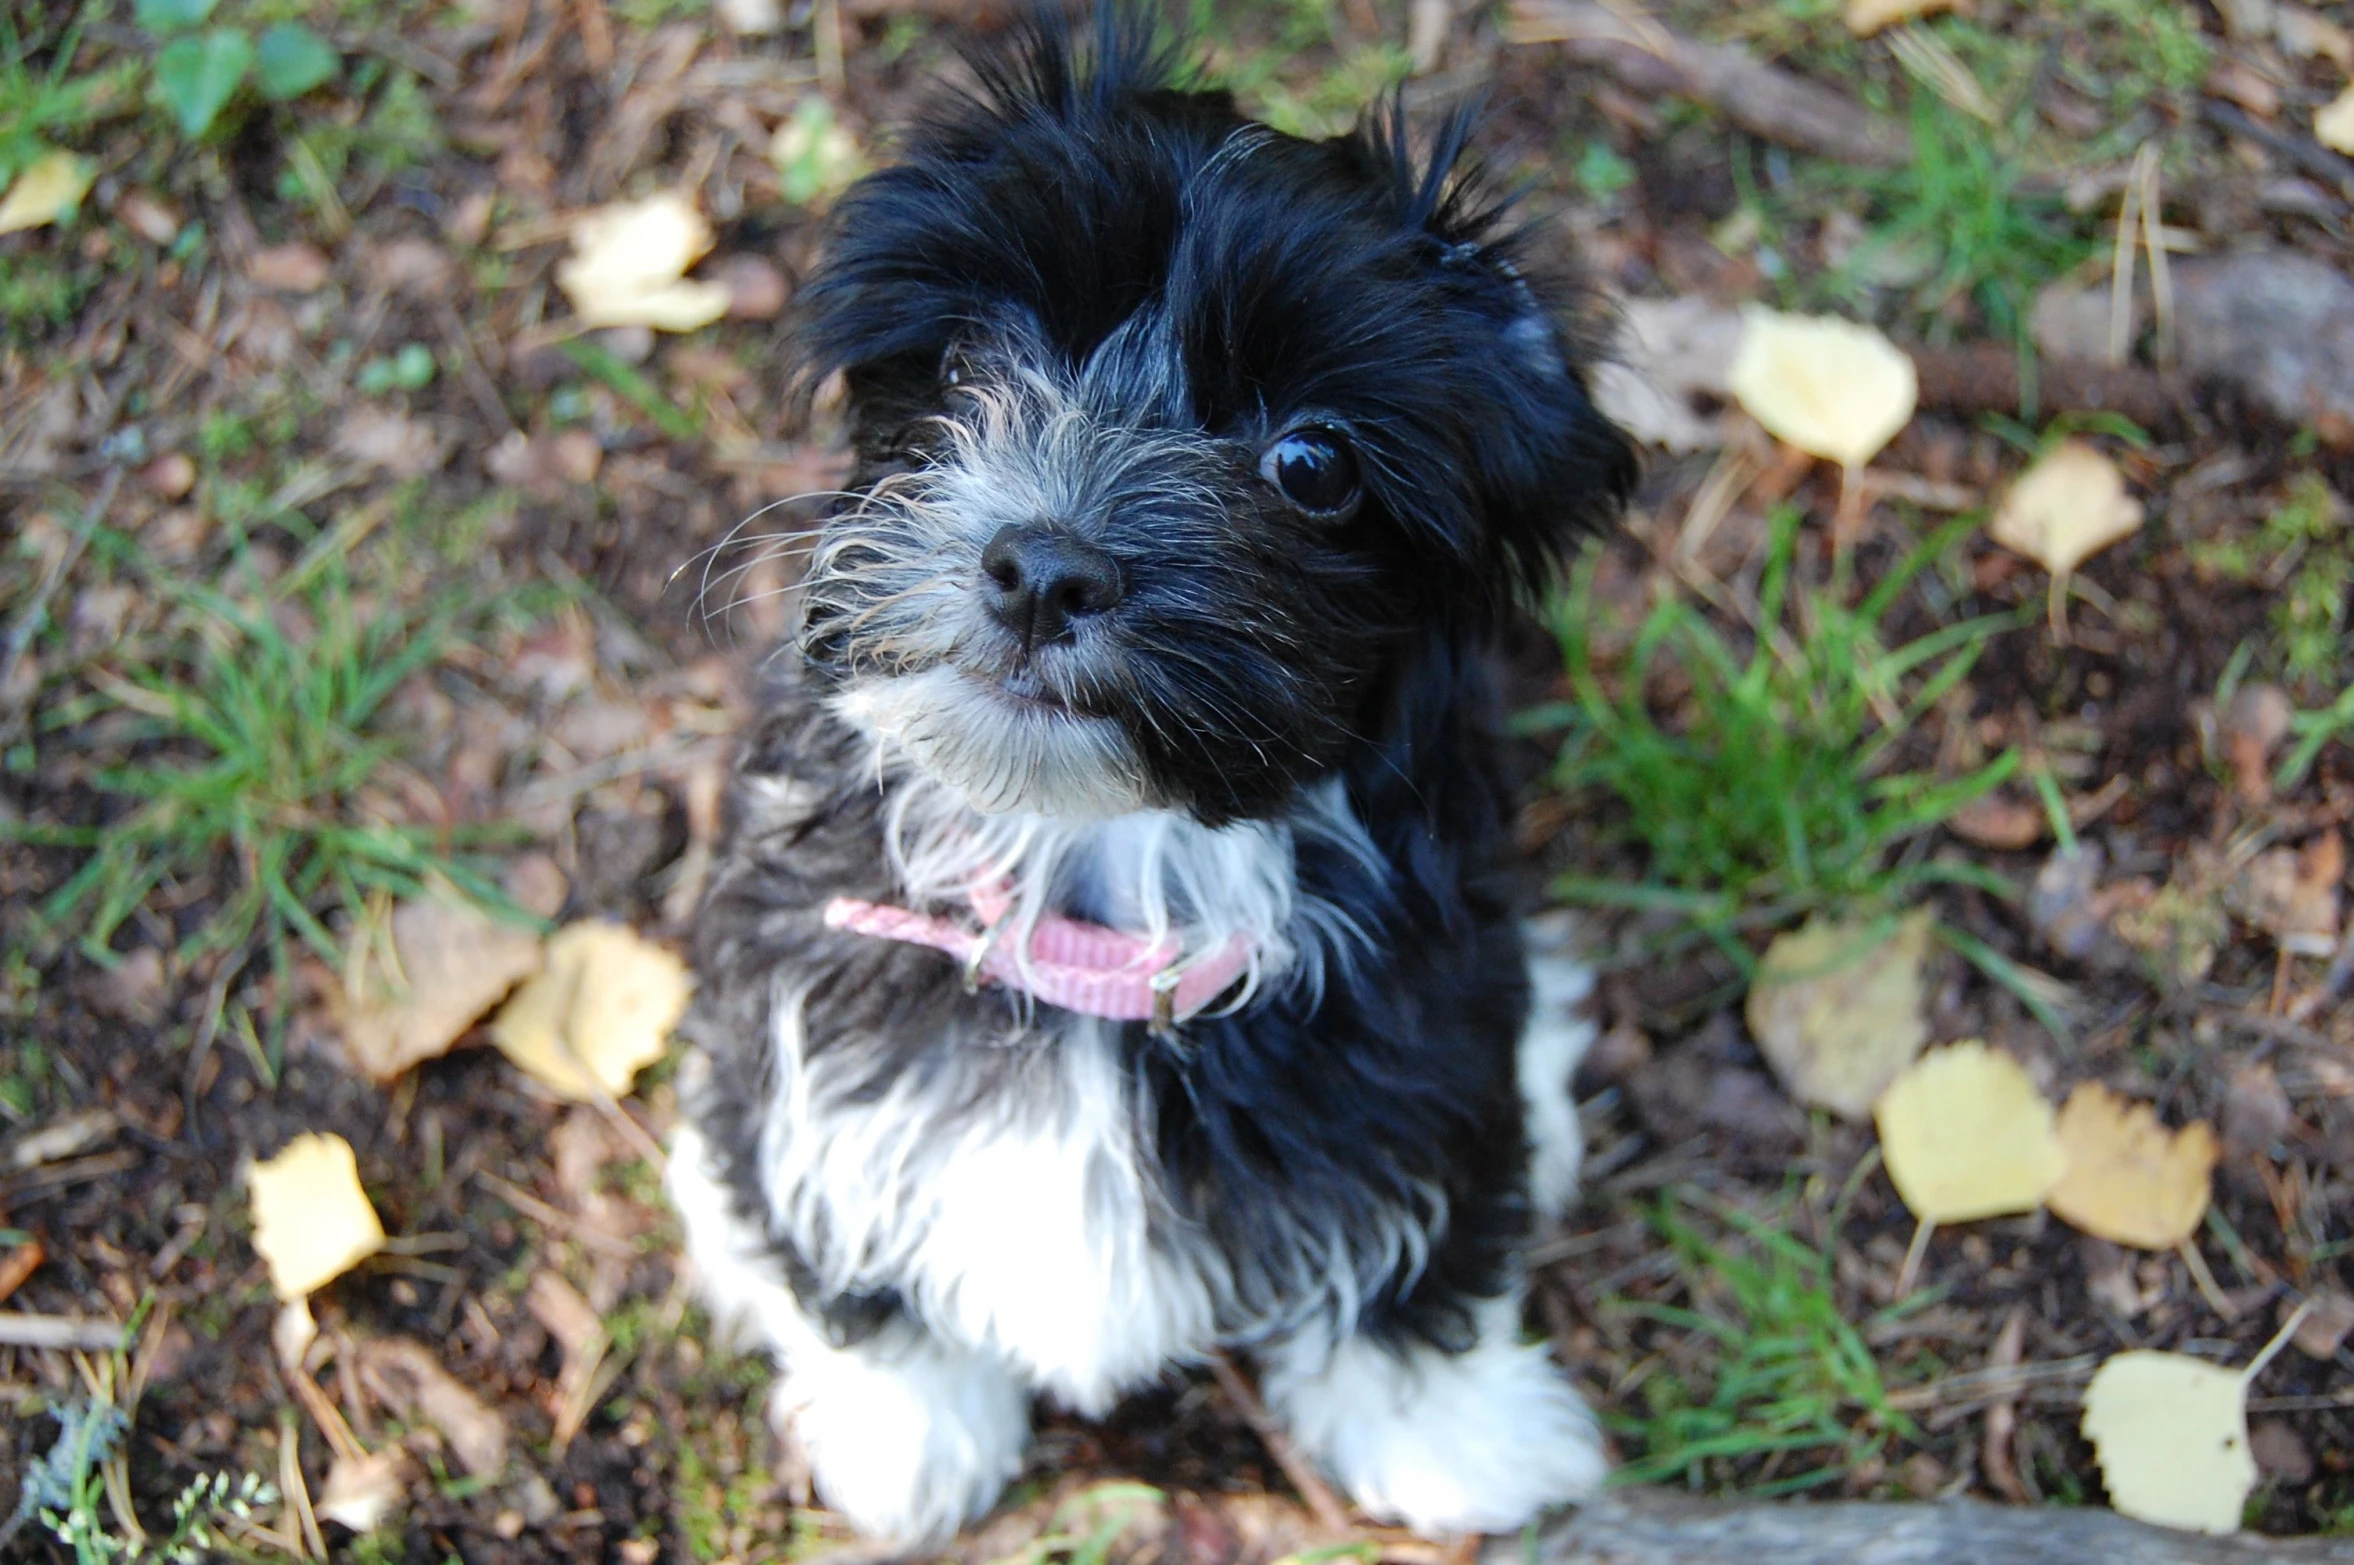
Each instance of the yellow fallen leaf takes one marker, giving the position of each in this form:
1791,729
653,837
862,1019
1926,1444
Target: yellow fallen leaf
1866,17
1833,388
2171,1435
2066,508
1837,1012
311,1220
629,262
449,965
2129,1179
1966,1135
2333,125
47,190
596,1014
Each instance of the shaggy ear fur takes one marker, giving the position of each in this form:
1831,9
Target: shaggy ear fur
1552,468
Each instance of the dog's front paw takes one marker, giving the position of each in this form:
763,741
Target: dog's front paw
909,1443
1446,1443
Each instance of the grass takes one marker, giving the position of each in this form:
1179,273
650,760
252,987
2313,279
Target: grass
1774,790
256,755
1779,1380
2304,554
1958,224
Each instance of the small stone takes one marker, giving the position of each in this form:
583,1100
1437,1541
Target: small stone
469,221
575,456
415,267
629,344
2323,1331
152,219
756,289
537,884
2279,1451
135,990
1615,1056
299,267
2256,1112
171,475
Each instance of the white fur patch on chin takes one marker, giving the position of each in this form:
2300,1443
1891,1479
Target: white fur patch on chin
998,754
1446,1443
906,1437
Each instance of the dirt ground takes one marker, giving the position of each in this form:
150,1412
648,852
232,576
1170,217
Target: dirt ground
315,361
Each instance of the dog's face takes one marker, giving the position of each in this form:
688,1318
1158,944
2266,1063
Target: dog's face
1176,437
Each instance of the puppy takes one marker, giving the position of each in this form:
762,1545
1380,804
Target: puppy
1109,962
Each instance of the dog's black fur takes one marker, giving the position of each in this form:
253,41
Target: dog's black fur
1201,286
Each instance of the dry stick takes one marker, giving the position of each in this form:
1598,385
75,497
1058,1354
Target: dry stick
297,1491
2217,1299
59,1332
2002,1414
1762,99
826,25
1910,1272
1323,1504
2161,278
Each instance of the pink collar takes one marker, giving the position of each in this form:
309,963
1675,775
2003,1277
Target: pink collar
1076,966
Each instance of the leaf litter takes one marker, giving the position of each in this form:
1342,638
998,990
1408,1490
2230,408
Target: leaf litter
2191,904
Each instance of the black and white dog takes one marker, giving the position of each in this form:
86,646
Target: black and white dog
1109,962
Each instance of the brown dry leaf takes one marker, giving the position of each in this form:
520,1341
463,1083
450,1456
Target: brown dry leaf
629,262
2066,508
1676,353
599,1011
453,964
48,190
311,1220
1866,17
1834,388
407,1377
2333,126
1993,820
1836,1009
2129,1179
1966,1136
2292,894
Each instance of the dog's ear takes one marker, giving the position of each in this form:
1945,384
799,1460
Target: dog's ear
1547,464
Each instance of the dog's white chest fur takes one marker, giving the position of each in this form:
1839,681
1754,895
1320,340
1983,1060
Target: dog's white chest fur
1018,1227
1002,1194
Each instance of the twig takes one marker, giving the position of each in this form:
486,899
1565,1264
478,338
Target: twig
2217,1299
2002,1414
18,1330
1762,99
1323,1504
2311,156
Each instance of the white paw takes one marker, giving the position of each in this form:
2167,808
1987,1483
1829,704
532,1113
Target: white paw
1447,1443
906,1439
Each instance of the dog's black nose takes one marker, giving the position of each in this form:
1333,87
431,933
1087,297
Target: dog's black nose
1040,580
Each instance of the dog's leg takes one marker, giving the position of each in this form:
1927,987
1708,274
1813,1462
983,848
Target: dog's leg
1446,1442
1556,1038
907,1437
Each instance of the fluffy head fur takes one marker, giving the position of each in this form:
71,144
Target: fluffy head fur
1197,464
1089,302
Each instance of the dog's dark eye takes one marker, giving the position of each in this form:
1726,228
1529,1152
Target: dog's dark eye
956,366
1315,469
